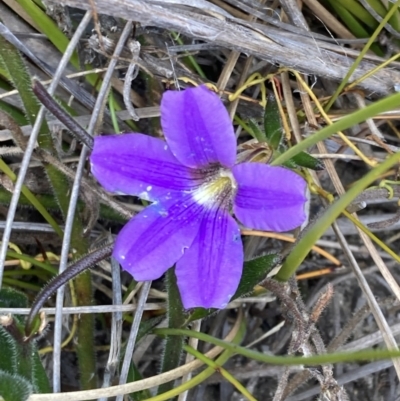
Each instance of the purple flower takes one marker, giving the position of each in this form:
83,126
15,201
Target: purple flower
194,183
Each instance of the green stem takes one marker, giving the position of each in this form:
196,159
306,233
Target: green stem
201,377
218,368
365,355
85,345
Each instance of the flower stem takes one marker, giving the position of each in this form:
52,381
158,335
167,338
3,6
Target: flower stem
176,317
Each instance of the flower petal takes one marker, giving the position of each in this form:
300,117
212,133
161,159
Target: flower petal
198,128
137,164
209,272
270,198
157,237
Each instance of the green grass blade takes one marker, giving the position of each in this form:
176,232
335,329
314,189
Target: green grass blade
32,199
47,26
380,106
12,62
362,54
355,26
303,246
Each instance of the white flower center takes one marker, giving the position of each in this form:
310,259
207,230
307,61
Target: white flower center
218,189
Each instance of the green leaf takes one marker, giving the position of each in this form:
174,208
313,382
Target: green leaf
39,375
10,298
303,159
3,82
254,271
8,360
256,131
355,25
394,20
272,123
19,357
199,313
372,38
357,10
22,359
14,387
17,74
148,325
15,113
380,9
134,375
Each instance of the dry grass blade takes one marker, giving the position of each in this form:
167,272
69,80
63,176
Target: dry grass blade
140,384
116,329
65,251
262,41
259,45
376,311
